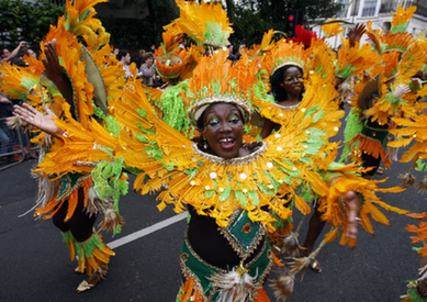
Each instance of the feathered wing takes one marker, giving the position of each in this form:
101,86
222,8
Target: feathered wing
314,163
399,98
318,105
78,149
355,60
412,61
412,131
89,68
84,152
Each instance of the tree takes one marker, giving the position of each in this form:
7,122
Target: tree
133,34
251,18
29,21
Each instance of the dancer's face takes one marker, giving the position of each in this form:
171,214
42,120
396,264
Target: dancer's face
293,81
223,129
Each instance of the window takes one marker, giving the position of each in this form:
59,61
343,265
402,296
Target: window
421,8
388,6
369,8
345,4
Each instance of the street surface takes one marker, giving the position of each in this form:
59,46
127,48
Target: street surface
34,263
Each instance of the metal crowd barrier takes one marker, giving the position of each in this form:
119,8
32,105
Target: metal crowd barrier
15,145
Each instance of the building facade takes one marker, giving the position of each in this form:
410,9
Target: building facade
380,13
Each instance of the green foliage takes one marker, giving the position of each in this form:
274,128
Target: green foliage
24,20
251,18
134,34
28,21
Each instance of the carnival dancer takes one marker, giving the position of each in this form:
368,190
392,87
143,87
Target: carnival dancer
388,99
287,63
236,191
413,133
287,87
66,78
230,188
416,132
385,90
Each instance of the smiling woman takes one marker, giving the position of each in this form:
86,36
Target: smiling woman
230,188
287,85
241,191
222,130
222,126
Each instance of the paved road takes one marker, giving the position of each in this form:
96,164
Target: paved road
34,264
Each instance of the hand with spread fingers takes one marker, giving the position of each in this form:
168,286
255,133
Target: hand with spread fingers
29,114
55,72
356,33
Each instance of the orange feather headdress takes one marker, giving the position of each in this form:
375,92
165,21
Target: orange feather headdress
217,79
173,60
285,53
205,23
401,18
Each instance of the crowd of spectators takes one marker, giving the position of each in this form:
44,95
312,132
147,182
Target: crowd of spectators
145,63
15,56
14,143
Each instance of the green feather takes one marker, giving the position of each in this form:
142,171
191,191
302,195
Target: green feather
173,109
345,72
108,184
241,197
311,110
209,193
392,99
140,137
226,194
400,28
28,83
67,236
254,197
315,140
353,126
112,125
421,165
214,35
153,151
141,112
414,296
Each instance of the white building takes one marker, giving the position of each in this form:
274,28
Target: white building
380,13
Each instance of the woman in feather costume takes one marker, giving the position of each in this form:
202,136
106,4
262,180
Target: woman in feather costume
232,197
237,193
287,87
287,63
75,68
226,255
385,88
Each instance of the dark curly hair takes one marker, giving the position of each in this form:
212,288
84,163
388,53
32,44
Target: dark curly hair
276,80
